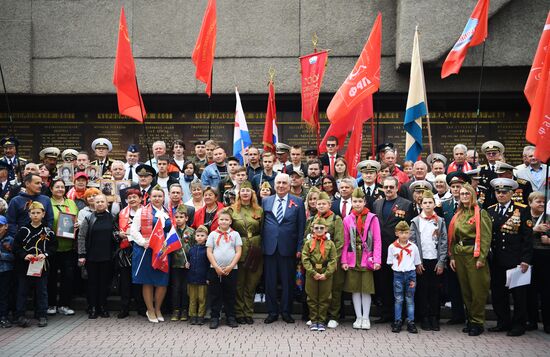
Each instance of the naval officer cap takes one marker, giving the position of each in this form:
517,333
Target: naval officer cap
282,148
102,143
436,157
504,184
474,174
492,145
49,152
502,167
368,166
420,185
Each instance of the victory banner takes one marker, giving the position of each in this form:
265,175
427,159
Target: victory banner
312,69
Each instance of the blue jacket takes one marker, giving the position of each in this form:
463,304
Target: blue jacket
18,212
198,265
288,236
211,176
6,257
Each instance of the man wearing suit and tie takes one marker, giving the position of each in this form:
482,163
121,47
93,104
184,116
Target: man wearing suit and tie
283,233
390,211
342,206
329,158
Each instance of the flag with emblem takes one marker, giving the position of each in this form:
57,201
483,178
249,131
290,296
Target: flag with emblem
241,136
353,152
205,47
474,33
161,246
124,77
416,105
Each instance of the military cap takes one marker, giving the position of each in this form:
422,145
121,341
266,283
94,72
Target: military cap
145,170
368,166
492,145
36,205
502,167
133,148
201,228
457,177
504,184
265,185
311,152
102,143
320,221
296,172
385,146
402,227
282,147
420,185
474,174
323,196
69,153
358,193
182,209
427,194
51,152
246,184
436,157
199,142
9,141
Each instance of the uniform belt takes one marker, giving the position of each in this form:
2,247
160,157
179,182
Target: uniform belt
467,242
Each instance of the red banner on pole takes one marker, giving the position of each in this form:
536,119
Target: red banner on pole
313,70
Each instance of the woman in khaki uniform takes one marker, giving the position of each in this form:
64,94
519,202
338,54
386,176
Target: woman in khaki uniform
470,234
247,218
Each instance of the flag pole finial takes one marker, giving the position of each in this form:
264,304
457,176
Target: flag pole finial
271,73
314,41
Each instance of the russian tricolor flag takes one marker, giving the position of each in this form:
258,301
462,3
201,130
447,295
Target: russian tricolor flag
417,106
241,136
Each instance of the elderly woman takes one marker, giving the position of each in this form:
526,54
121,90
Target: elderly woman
247,218
64,260
154,281
208,215
442,190
540,283
76,193
88,197
470,234
197,199
96,247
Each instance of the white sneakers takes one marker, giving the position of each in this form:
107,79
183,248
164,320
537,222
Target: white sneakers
332,324
365,324
65,310
52,310
358,323
308,323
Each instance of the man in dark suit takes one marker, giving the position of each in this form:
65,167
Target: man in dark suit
328,159
342,206
146,182
420,170
390,211
283,234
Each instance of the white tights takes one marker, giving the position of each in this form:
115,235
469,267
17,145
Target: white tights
361,300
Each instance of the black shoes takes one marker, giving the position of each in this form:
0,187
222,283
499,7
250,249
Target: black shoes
214,323
23,322
396,326
287,318
455,321
516,332
193,320
426,324
104,313
5,322
92,313
231,322
411,327
434,321
42,322
123,314
249,320
270,319
200,321
498,328
241,320
475,330
531,326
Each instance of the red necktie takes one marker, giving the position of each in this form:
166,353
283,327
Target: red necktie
332,165
344,209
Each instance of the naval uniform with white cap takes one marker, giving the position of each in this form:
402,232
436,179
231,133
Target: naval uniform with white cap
49,157
102,147
282,152
511,246
369,170
431,160
417,189
524,189
493,151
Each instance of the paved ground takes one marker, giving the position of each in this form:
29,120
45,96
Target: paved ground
78,336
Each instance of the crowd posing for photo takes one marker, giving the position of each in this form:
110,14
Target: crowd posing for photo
285,226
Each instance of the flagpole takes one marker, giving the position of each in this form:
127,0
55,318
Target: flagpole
143,122
210,104
479,99
7,102
428,124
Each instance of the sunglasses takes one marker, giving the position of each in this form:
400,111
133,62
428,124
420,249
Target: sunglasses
321,228
331,145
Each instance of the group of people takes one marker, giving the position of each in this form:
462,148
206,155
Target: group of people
293,224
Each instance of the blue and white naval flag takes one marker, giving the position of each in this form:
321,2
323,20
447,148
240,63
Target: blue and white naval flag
417,105
241,136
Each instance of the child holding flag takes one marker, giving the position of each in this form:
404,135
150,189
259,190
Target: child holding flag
223,248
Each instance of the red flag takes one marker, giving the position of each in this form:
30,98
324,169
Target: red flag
474,33
538,126
271,135
363,80
534,75
203,54
162,246
353,153
313,70
124,77
341,129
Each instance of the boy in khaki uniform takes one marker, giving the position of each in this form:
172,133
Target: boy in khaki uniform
319,260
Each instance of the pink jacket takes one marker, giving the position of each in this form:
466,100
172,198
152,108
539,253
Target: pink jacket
348,257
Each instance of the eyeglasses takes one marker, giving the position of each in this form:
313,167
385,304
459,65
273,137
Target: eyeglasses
389,187
331,145
321,228
465,194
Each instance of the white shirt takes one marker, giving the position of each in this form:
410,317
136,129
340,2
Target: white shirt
348,206
427,229
135,177
277,202
408,262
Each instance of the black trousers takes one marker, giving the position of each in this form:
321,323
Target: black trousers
283,268
383,280
178,286
427,290
61,278
99,283
538,293
500,296
221,292
128,290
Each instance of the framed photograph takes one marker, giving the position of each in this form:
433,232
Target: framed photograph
93,172
66,173
107,187
65,225
121,185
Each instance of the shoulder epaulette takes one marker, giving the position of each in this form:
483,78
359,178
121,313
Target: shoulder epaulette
520,205
482,166
522,181
496,204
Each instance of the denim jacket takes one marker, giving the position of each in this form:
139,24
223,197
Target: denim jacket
6,257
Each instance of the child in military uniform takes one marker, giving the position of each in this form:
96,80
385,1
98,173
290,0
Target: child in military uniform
319,258
196,277
179,265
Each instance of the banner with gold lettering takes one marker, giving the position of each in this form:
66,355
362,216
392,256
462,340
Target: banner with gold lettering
312,68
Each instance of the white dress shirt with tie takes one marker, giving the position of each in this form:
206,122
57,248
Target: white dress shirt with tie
279,202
